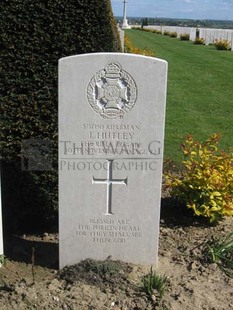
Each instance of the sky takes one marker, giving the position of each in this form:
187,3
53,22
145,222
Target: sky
190,9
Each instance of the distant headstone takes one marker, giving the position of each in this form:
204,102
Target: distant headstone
122,38
232,42
111,132
1,230
229,35
202,33
210,34
192,34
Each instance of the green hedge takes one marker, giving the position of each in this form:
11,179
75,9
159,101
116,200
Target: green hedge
35,34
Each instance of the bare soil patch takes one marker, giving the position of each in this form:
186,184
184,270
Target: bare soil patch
31,280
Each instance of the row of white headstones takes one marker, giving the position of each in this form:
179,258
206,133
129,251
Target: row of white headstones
208,34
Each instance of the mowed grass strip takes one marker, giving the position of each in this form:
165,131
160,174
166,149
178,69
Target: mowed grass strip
200,90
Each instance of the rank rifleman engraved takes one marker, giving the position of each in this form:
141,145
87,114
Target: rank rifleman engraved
112,92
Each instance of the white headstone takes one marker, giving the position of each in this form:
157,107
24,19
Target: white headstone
122,38
202,33
212,36
228,35
192,34
210,33
1,230
232,42
111,132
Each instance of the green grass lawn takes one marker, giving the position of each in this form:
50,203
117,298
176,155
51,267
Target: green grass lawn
200,90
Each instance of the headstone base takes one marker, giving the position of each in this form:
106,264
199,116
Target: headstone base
125,24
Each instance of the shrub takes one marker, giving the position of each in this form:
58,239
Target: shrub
156,31
130,48
199,41
184,37
166,33
34,35
144,22
147,30
173,34
206,184
222,45
144,29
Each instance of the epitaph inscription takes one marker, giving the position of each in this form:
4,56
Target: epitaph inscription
108,230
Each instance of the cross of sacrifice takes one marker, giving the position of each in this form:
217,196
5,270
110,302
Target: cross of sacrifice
109,181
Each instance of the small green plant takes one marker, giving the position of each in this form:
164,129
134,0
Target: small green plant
152,282
222,45
221,253
199,41
184,37
102,268
2,260
206,183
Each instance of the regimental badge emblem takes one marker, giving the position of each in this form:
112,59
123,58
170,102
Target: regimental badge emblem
112,92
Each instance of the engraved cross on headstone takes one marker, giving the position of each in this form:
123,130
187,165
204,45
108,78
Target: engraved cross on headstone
109,182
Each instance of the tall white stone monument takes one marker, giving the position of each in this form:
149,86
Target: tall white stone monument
111,133
125,24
